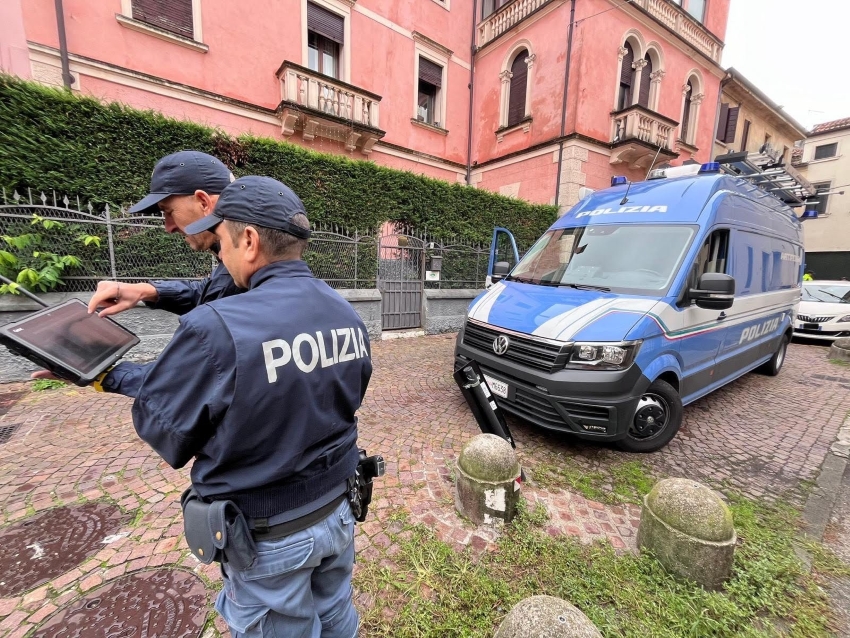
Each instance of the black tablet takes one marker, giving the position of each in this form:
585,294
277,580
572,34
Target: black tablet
68,341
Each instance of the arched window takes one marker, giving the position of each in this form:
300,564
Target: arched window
627,74
686,112
645,82
519,86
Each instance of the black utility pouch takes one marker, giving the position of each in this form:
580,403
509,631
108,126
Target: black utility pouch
217,531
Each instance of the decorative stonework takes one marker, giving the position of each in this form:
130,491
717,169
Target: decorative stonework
506,76
530,60
656,76
637,65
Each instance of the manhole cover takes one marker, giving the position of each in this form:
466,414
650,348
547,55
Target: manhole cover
48,545
165,603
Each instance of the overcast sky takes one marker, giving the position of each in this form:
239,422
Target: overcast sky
795,52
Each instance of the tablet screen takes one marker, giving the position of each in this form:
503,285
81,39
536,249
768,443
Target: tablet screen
71,335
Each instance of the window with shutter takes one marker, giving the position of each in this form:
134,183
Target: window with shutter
174,16
721,122
731,125
519,85
825,151
325,23
645,79
626,76
823,200
430,83
686,113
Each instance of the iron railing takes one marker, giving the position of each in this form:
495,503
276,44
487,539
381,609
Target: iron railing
135,248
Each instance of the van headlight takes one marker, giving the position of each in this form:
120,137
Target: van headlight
603,356
844,319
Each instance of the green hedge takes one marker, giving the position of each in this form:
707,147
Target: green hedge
52,140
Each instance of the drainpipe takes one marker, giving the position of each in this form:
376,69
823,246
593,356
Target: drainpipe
67,78
473,50
564,104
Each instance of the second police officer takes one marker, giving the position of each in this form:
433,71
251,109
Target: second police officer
261,389
185,187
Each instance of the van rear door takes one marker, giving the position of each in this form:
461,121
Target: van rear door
766,271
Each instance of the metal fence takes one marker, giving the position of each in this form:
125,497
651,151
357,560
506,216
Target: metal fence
110,244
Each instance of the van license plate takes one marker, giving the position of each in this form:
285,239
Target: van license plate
499,388
811,326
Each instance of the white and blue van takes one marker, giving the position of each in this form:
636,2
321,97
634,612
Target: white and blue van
641,299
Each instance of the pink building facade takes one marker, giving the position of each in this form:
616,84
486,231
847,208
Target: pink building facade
512,96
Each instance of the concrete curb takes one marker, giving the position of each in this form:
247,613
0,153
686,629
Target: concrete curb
822,499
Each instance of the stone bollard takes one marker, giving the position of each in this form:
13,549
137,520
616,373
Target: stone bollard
689,530
546,617
840,349
487,485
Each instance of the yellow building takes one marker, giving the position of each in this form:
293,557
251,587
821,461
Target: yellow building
824,160
748,119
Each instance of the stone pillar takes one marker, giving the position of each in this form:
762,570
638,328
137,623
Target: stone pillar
487,485
840,349
688,528
546,617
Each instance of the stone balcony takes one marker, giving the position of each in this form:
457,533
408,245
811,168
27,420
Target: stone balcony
677,20
505,18
638,135
318,105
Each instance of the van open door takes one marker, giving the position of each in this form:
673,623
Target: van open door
503,255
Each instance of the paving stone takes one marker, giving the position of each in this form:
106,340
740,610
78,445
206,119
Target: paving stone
746,435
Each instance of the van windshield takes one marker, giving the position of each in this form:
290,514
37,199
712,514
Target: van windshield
630,258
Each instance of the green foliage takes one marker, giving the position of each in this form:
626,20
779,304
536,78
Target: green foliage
38,269
622,482
40,385
423,588
53,140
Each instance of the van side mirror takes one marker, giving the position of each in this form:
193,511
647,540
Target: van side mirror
715,291
500,270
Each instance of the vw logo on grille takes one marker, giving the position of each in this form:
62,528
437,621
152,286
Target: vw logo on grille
501,344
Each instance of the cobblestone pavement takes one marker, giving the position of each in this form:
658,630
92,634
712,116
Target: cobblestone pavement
764,436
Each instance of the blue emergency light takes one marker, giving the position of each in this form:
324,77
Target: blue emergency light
619,180
808,214
710,167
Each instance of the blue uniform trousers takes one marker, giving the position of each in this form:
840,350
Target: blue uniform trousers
299,586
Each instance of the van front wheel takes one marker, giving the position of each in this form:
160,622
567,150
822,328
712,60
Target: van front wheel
656,420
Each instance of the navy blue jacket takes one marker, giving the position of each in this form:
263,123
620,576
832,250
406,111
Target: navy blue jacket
262,389
181,297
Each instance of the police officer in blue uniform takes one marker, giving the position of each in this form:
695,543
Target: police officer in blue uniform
185,187
261,389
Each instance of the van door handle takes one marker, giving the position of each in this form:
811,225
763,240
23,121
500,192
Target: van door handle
722,316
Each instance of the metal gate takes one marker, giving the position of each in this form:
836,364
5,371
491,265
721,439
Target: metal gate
401,280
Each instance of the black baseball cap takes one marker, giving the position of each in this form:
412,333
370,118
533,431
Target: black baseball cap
184,173
255,200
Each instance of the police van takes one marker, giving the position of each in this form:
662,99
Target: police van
641,299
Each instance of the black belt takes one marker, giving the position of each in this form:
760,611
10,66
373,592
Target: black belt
261,531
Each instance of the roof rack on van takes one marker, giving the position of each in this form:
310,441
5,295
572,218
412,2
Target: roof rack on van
766,169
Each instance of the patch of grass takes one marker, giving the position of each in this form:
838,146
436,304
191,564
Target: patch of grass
825,561
40,385
625,482
426,589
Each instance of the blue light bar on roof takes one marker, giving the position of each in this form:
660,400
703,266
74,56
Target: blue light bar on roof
710,167
808,214
619,180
